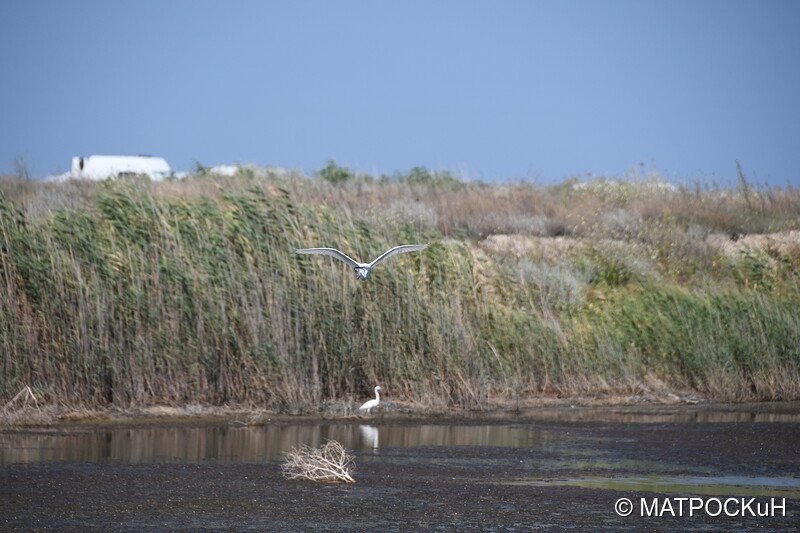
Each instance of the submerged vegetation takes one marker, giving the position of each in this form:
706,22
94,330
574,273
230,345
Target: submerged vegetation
135,293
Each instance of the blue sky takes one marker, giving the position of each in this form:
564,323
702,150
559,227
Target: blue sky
491,90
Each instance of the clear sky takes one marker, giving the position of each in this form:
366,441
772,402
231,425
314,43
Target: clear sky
491,90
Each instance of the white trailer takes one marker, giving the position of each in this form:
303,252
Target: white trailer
100,167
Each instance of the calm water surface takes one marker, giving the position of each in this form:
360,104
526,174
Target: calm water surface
239,443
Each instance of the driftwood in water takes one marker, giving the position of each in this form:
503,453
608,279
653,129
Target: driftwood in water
328,463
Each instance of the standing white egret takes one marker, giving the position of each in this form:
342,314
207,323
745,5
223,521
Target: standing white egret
372,403
362,269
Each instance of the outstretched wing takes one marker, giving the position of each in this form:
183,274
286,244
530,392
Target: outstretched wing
399,250
331,252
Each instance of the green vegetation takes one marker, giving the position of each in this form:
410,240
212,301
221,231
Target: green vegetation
133,293
333,173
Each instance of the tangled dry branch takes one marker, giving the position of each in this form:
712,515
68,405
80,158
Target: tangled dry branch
328,463
22,398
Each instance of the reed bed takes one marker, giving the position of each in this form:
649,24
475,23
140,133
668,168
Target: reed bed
136,293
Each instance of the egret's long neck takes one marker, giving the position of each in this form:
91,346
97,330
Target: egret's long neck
377,395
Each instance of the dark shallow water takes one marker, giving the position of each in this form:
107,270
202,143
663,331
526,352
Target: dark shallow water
548,469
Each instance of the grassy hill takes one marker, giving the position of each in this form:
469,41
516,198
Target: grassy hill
135,293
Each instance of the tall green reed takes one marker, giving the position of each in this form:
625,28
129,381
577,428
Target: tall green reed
143,298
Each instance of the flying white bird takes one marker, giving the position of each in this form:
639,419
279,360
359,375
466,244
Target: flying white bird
362,269
372,403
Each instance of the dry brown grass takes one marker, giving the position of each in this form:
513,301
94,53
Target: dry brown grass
30,416
475,209
780,243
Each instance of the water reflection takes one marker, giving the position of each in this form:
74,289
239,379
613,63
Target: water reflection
787,487
670,414
227,443
370,436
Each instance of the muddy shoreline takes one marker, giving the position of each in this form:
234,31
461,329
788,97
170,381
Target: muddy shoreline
439,488
547,407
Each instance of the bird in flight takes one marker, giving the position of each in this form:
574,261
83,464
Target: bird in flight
362,269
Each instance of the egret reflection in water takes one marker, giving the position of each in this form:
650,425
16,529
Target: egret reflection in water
369,435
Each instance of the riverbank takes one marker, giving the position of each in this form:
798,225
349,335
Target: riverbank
542,409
